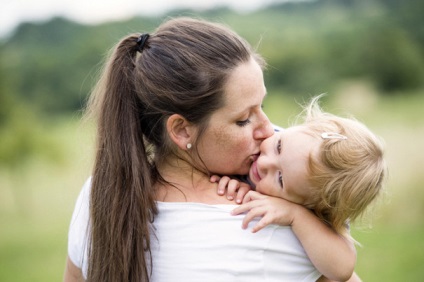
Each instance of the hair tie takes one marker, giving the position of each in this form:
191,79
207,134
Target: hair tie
141,41
333,135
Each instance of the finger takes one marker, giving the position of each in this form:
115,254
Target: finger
214,178
261,224
250,196
247,198
232,187
252,214
241,192
242,208
222,185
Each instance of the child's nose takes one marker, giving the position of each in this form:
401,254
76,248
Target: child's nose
266,162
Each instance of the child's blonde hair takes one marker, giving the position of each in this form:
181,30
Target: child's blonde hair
346,173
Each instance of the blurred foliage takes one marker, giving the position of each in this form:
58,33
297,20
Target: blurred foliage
309,46
21,132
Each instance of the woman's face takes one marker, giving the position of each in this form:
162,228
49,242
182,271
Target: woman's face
231,141
281,169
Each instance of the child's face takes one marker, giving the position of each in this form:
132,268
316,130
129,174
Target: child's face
281,169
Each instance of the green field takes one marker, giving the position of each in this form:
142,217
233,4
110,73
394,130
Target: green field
37,196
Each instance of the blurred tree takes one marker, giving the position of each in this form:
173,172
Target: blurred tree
408,15
48,71
310,46
5,97
392,59
20,134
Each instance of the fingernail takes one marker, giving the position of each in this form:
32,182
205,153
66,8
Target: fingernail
230,198
238,201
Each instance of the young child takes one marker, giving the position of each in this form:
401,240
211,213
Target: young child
331,165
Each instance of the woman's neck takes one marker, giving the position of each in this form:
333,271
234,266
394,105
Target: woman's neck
184,183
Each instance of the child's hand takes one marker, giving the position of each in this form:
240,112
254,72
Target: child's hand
272,210
235,188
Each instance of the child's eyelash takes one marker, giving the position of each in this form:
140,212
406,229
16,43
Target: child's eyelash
279,146
280,179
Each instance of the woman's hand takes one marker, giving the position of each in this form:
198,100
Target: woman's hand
272,210
235,188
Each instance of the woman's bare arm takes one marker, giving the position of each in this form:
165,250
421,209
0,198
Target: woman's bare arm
72,273
354,278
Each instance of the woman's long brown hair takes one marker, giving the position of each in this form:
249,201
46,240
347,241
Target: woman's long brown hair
182,69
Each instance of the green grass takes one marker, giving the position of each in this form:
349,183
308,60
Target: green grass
37,198
32,250
36,203
390,253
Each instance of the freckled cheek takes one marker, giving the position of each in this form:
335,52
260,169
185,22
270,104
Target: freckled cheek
234,145
226,148
234,151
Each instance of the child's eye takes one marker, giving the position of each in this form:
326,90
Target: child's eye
279,146
243,122
280,179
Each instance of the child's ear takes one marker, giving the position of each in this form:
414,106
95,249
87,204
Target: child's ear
180,131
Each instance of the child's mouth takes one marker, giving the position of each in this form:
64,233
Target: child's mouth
254,172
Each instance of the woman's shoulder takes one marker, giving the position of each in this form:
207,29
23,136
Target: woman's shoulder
210,238
199,220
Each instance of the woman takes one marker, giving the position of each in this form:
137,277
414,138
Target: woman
172,108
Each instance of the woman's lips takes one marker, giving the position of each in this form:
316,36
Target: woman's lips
254,157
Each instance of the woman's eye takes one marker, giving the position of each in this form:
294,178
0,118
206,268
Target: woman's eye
279,146
280,179
243,122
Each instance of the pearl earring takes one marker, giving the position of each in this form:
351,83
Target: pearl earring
188,146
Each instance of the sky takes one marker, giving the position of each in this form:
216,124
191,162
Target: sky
13,12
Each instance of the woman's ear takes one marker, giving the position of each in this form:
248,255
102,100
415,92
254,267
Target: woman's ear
180,131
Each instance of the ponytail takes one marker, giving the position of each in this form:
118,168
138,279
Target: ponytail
122,198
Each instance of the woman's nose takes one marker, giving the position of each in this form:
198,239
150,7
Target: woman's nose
266,147
264,129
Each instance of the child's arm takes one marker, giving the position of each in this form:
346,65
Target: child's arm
330,253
